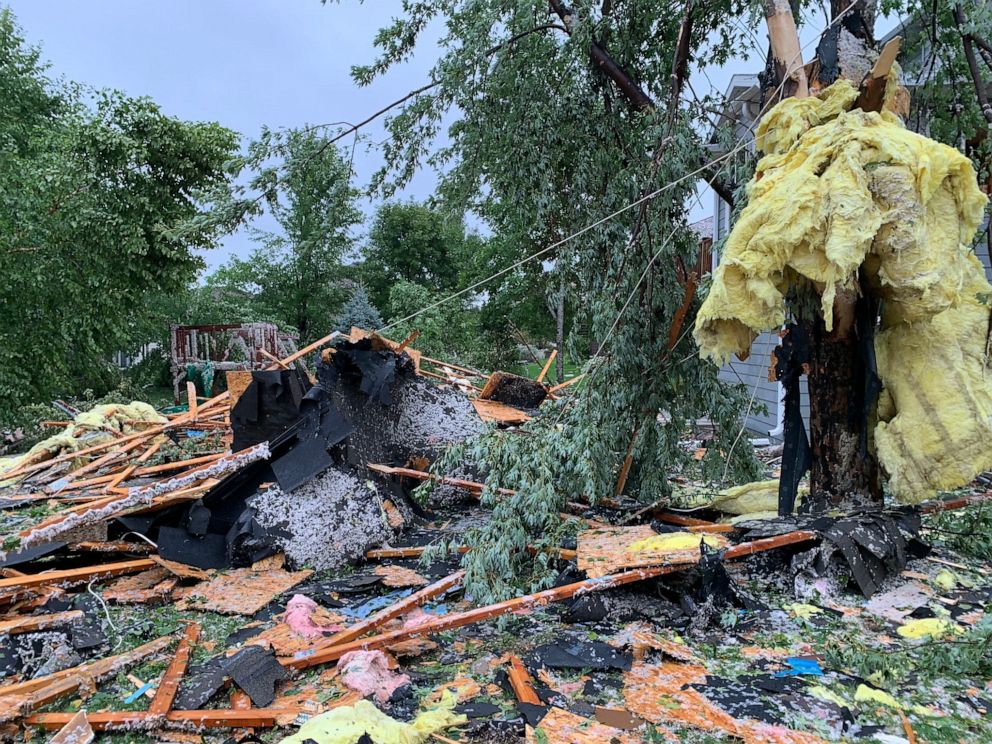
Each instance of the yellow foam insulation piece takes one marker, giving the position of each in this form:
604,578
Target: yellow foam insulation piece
673,541
928,627
827,694
838,190
88,429
804,611
757,500
348,724
866,694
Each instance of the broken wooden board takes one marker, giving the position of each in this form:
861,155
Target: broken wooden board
142,720
77,731
76,575
34,623
561,727
242,591
399,577
148,586
605,551
492,411
168,686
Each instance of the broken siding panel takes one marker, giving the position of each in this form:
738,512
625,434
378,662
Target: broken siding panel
982,251
753,374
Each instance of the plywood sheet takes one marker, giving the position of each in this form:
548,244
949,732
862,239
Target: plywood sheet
561,727
400,577
242,591
615,549
500,413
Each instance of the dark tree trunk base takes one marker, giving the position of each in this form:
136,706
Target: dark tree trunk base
844,472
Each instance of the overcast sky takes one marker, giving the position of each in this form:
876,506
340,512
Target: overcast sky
248,63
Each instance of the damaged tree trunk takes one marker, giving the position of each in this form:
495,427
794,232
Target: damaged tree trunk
843,385
840,370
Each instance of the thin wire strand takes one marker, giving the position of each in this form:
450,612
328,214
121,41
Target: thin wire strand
648,197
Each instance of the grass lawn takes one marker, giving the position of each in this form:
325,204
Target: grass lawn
533,369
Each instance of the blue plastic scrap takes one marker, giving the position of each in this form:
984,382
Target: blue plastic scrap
801,666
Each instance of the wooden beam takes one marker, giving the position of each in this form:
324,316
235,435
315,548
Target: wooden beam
565,384
33,623
393,611
129,470
521,682
72,575
872,95
273,358
168,686
139,720
547,365
567,591
191,403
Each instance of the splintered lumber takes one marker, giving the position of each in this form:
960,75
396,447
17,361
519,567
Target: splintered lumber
493,410
934,507
142,436
169,684
547,365
393,611
75,575
148,470
422,475
13,707
129,470
565,384
21,698
521,682
32,623
457,368
194,409
76,731
567,591
139,720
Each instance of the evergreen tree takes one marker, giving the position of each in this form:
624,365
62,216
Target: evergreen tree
358,311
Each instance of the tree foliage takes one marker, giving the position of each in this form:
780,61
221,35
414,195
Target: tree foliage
543,144
91,184
412,242
296,276
358,311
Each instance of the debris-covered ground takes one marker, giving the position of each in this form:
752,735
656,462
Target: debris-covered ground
253,569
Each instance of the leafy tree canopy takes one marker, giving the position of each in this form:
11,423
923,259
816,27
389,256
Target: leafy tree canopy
412,242
563,117
295,276
91,184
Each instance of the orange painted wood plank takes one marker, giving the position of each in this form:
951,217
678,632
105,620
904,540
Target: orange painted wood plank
86,573
168,686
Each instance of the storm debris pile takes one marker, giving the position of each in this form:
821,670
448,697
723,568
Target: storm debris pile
279,584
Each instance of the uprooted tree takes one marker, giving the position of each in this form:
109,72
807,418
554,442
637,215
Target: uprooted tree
561,116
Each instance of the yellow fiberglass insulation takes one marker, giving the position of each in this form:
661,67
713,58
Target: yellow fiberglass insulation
362,721
90,428
838,190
